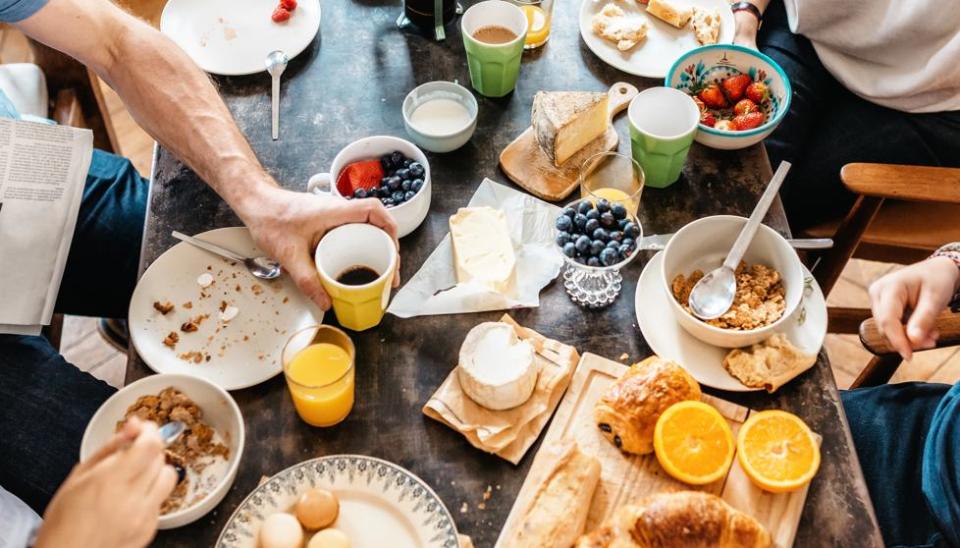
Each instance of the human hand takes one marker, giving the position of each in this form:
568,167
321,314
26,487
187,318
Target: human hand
747,26
920,291
288,226
113,498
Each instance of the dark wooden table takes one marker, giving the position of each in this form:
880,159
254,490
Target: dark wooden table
350,84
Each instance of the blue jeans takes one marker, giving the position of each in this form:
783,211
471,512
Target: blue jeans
45,402
828,127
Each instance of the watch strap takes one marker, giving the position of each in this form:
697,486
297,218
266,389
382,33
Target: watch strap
747,6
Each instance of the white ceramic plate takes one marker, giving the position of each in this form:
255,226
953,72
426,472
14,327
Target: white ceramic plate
807,329
381,504
233,37
243,352
664,44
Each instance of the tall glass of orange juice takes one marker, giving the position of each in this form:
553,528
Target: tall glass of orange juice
614,177
318,363
539,13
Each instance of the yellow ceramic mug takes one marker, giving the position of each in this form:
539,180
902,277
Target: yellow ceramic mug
350,247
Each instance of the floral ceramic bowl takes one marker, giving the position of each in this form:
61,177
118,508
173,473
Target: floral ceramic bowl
712,64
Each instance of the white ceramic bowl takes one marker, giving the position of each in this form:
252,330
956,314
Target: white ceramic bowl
219,411
703,245
715,62
440,142
407,215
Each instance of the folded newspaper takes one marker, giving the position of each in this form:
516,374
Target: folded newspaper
42,173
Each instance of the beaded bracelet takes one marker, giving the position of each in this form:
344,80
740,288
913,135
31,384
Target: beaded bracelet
952,252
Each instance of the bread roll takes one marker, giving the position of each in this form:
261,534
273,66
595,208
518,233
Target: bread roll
628,411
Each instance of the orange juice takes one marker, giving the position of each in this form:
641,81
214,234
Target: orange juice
538,26
616,196
320,378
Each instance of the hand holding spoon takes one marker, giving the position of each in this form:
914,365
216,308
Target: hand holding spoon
713,295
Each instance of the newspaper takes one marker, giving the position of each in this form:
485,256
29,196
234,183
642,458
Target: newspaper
42,173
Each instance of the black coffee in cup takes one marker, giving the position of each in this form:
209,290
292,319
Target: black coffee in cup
358,275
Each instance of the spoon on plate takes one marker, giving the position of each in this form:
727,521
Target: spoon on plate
713,295
276,64
264,268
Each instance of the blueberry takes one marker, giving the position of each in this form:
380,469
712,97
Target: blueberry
613,244
592,224
596,247
416,169
386,161
402,173
623,223
563,238
397,197
396,159
569,249
405,185
569,211
407,162
608,220
408,195
631,230
616,236
619,211
416,185
564,224
393,183
580,221
584,207
603,205
593,261
359,193
387,202
600,234
181,473
583,244
625,251
609,257
384,192
628,242
593,214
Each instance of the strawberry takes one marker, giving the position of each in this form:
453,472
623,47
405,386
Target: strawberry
726,125
713,97
365,174
699,104
707,118
749,120
758,93
734,86
280,14
289,5
744,106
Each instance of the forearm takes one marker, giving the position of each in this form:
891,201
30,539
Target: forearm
747,23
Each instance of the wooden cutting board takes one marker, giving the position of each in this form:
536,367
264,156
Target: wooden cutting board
625,479
527,165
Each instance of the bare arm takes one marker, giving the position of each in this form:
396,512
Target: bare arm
175,102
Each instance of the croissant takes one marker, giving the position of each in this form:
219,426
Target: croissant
628,411
686,519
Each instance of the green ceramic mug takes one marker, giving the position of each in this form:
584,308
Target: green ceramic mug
494,67
663,122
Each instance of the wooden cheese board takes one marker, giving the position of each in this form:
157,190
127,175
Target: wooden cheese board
526,165
625,479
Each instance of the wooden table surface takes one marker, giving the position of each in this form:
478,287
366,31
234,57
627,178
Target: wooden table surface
350,84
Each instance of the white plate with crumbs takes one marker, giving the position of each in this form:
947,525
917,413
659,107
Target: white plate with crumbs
381,504
233,37
228,327
807,329
664,43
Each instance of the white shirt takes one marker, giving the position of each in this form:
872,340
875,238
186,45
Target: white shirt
901,54
18,523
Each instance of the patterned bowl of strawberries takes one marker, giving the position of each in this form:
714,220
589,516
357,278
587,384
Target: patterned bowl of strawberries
742,94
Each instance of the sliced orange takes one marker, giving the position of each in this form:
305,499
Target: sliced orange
778,451
693,443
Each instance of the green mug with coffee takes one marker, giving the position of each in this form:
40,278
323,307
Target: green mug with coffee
663,122
493,35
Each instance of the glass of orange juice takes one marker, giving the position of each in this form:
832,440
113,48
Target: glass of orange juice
318,363
612,176
539,13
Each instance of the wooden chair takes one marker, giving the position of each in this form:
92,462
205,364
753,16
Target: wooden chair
902,215
886,360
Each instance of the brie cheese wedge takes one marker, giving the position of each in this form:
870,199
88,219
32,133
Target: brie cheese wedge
497,369
566,121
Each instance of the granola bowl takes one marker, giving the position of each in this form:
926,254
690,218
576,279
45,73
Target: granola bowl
775,286
213,442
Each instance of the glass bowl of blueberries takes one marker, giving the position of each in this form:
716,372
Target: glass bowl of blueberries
597,239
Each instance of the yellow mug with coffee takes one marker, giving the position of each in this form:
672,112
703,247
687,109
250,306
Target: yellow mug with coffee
357,263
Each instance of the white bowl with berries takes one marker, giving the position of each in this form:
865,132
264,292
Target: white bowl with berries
386,168
743,95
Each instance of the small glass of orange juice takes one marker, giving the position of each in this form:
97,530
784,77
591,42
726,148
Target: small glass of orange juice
318,363
612,176
539,13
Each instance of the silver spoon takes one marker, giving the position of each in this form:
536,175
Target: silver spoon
264,268
276,64
713,295
171,431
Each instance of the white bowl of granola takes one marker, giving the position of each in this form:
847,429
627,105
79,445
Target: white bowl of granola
208,452
769,282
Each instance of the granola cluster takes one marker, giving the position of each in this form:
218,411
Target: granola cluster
759,300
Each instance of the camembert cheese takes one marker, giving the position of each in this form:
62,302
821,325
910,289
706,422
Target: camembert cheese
566,121
497,369
482,249
675,14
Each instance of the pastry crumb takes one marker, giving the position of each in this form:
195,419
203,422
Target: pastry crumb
163,307
171,339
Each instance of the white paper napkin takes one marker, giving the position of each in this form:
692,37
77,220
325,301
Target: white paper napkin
434,288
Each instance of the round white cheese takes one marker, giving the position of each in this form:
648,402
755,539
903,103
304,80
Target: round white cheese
497,369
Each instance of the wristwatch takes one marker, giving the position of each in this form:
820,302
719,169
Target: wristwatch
747,6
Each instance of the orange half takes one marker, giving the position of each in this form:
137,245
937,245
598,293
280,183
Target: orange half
693,443
778,451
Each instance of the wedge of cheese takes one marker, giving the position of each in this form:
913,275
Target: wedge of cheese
482,250
496,369
675,14
566,121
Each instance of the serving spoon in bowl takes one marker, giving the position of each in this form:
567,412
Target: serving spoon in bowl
713,295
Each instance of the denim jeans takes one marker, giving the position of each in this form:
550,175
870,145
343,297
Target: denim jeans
828,127
45,402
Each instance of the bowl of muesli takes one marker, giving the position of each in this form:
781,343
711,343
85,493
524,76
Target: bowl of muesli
206,455
769,280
